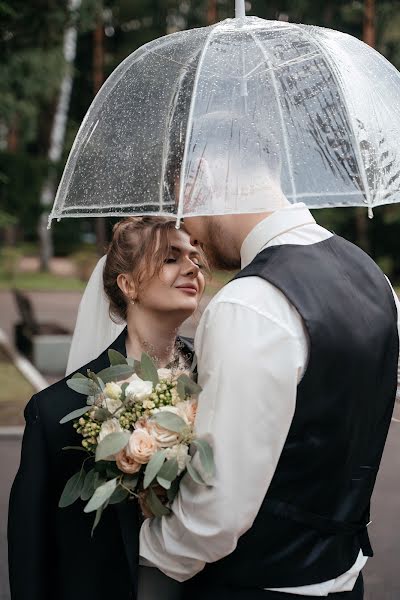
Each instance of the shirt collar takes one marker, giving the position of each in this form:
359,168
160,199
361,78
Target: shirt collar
281,221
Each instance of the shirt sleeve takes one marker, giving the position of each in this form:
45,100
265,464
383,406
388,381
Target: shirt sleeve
249,368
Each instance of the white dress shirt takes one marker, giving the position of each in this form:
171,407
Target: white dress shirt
245,412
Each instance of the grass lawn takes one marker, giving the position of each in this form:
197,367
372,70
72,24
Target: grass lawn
32,282
15,392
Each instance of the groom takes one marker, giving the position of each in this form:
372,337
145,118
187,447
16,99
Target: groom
298,360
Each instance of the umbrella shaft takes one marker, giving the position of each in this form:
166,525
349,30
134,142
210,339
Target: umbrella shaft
239,9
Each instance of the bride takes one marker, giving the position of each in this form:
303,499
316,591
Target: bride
153,280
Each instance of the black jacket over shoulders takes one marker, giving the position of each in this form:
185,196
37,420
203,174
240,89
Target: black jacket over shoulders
51,552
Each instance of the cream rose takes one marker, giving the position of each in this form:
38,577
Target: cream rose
113,390
163,437
187,410
180,452
107,427
126,463
141,446
113,404
139,389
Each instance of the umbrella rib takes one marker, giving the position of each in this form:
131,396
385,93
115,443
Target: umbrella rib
360,162
190,118
283,125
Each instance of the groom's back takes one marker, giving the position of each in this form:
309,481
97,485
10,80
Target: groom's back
313,520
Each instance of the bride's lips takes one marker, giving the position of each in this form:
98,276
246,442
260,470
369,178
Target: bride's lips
188,288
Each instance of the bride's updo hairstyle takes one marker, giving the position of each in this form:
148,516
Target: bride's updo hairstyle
139,246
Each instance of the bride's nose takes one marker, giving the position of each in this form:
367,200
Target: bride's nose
190,269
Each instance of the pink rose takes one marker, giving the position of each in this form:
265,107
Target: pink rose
141,446
126,463
187,410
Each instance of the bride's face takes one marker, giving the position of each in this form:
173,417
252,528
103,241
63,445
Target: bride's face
180,284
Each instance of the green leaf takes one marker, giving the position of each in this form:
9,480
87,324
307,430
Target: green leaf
152,468
78,376
99,479
131,361
165,483
97,518
112,470
191,387
88,487
115,373
97,381
75,414
206,456
194,474
111,444
173,490
148,369
169,470
102,414
180,388
170,421
155,505
116,358
72,489
100,496
82,386
75,448
123,388
130,481
118,495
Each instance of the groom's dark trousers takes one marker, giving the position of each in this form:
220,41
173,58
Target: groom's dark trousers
197,592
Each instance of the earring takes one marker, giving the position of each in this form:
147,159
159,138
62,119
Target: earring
132,300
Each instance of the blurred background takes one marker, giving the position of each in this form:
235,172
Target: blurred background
55,55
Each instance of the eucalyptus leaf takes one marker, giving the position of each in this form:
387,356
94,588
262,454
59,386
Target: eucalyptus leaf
116,358
112,444
130,361
99,479
191,387
155,505
138,368
100,496
115,373
97,518
130,481
75,414
180,388
169,470
72,489
148,369
153,467
123,388
170,421
88,487
98,381
78,376
173,490
194,474
82,386
165,483
206,456
102,414
112,470
118,495
75,448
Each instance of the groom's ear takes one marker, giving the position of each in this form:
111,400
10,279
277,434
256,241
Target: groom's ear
126,286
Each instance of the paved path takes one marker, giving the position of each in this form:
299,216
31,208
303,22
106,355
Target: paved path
382,575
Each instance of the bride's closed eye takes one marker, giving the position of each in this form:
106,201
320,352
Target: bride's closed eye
174,260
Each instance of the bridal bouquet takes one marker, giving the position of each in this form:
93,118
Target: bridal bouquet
137,427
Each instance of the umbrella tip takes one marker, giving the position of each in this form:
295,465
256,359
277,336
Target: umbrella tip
370,212
240,9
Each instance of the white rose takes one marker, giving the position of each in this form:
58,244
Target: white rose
180,452
139,389
109,426
113,404
164,374
113,390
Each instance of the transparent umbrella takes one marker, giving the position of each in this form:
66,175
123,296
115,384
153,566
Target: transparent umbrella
227,118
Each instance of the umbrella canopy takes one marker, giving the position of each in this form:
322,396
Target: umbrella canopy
227,118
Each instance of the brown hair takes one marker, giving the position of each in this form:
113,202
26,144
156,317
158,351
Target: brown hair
139,246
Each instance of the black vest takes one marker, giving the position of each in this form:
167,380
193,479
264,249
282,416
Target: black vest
312,522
